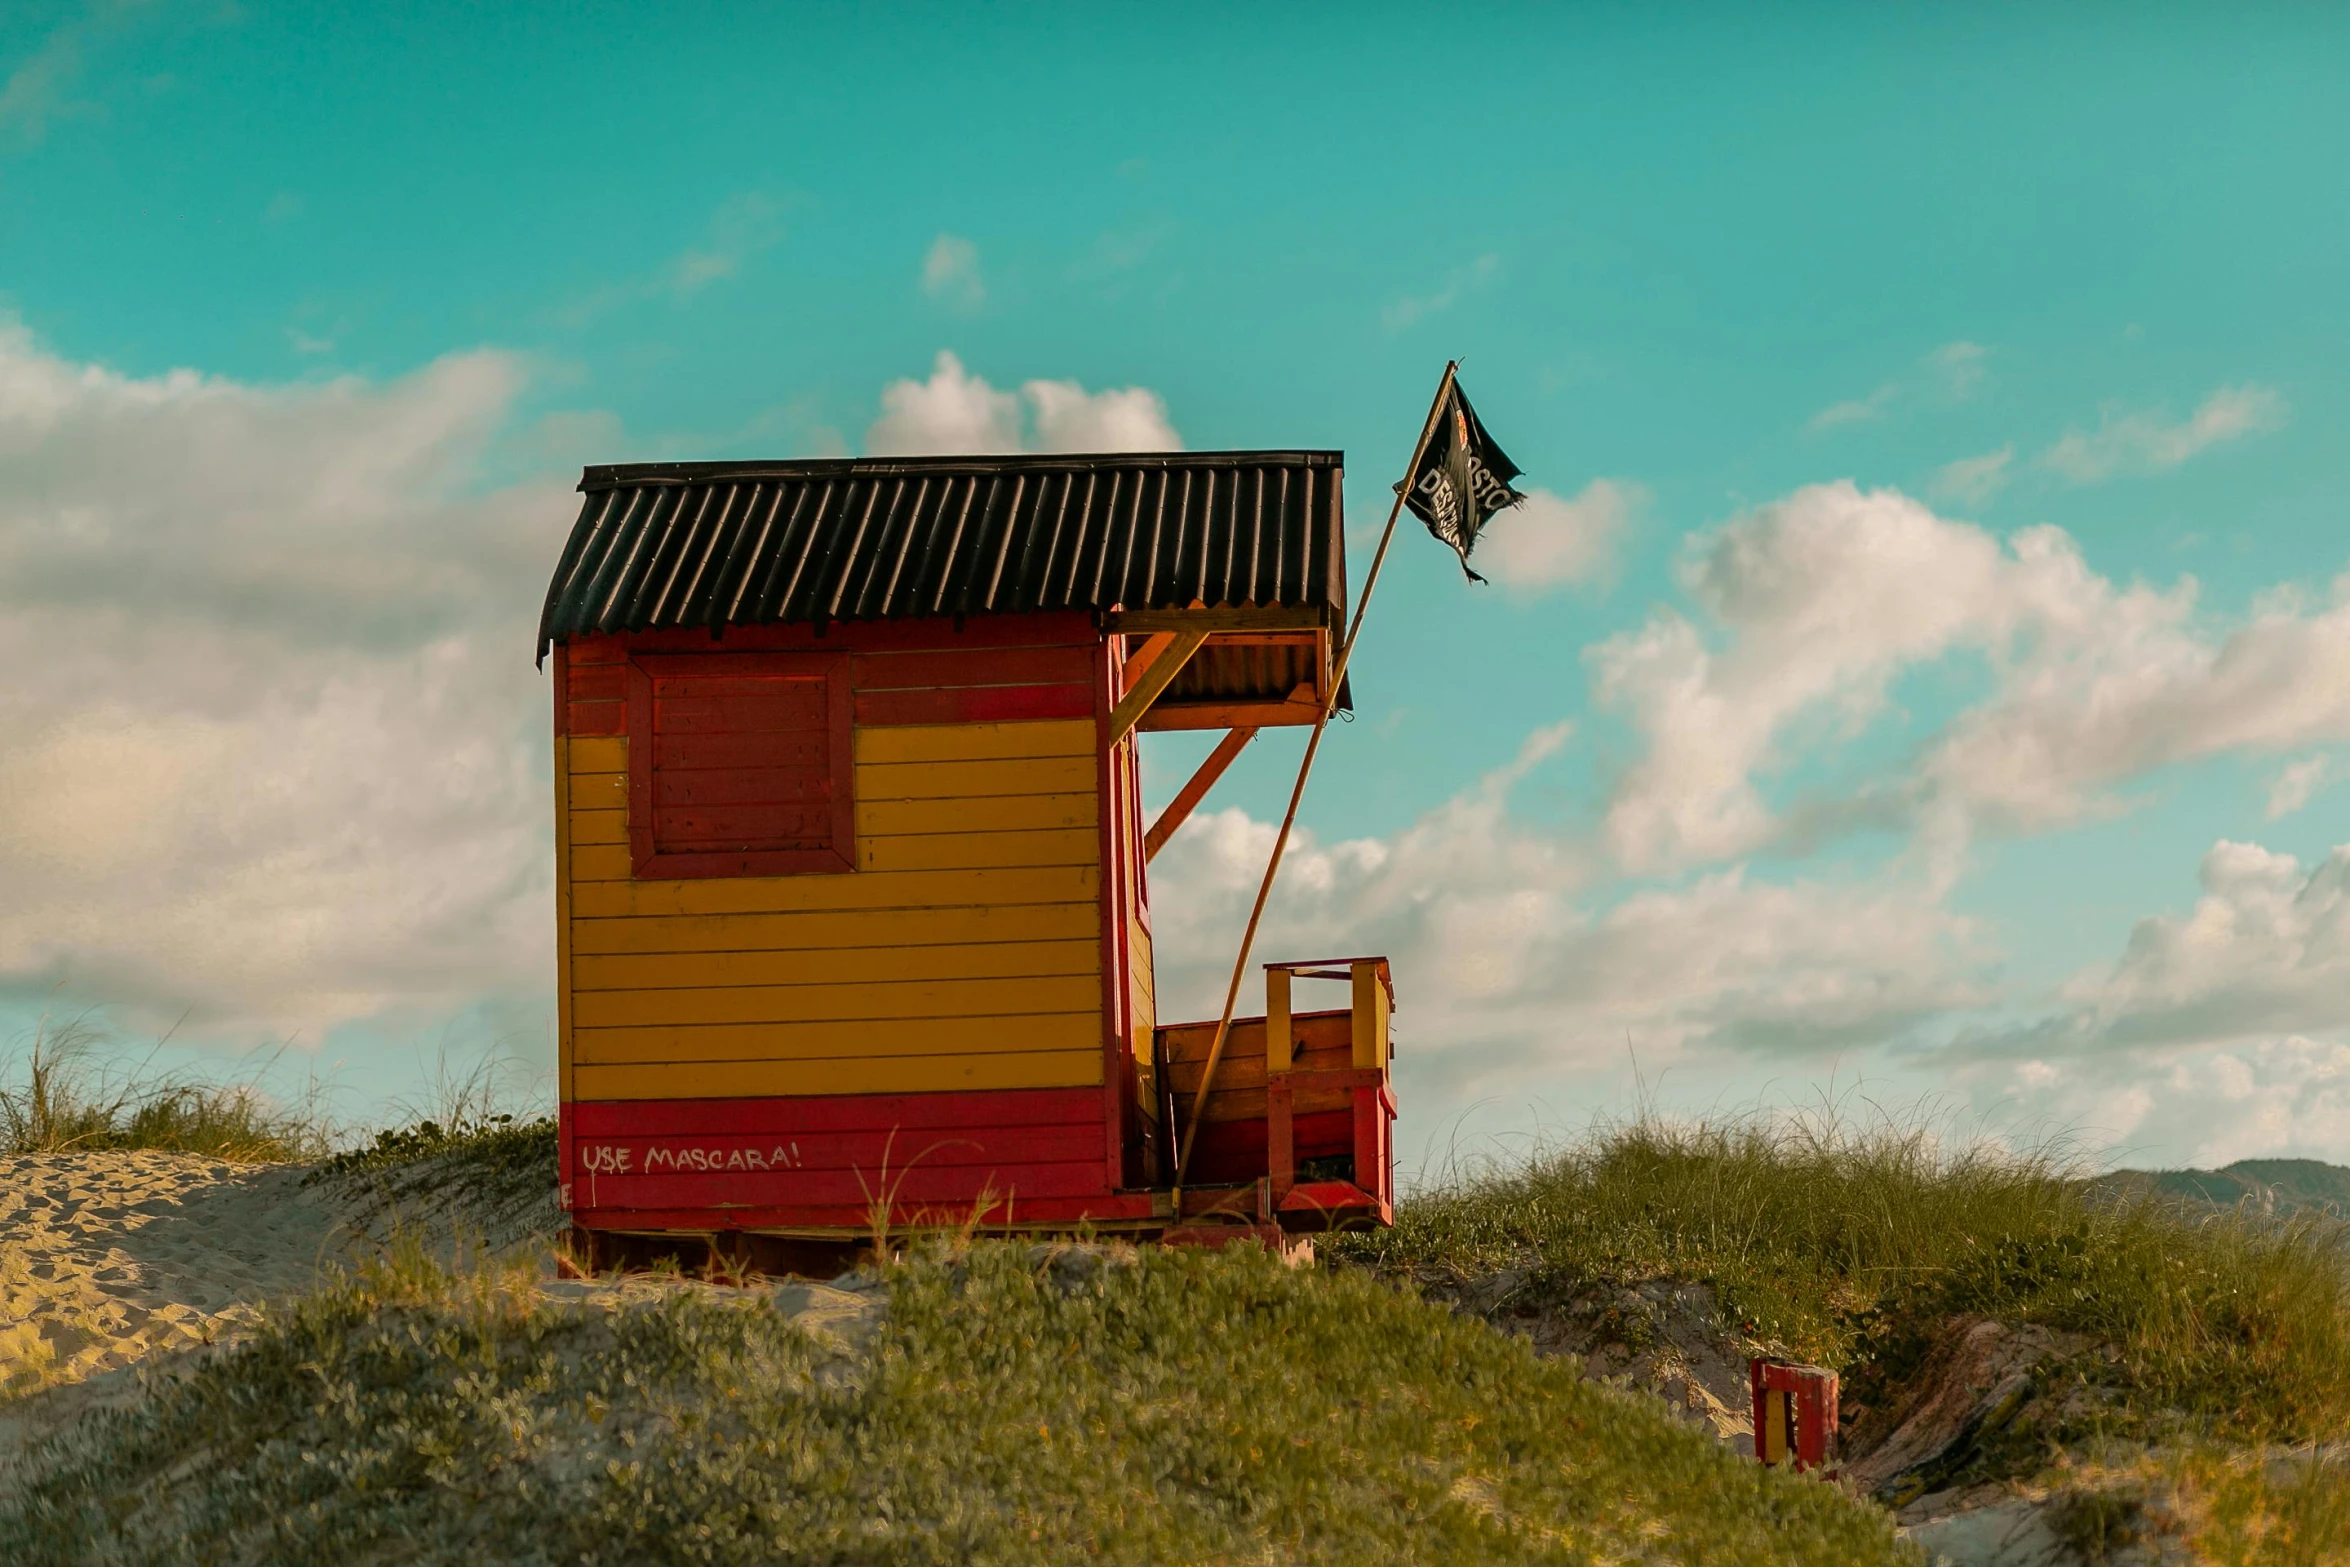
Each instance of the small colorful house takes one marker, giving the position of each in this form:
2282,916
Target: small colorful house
853,899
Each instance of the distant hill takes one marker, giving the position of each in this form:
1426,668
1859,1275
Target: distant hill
2281,1185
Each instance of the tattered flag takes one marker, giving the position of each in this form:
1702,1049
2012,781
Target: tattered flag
1462,480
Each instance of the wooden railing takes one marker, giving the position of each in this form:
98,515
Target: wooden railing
1302,1101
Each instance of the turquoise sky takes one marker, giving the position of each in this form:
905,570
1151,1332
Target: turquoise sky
1710,255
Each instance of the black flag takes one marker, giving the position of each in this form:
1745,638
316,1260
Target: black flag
1462,480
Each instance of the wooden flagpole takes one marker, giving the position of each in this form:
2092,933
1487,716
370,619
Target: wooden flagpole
1297,791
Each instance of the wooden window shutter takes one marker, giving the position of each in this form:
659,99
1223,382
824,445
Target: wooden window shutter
739,764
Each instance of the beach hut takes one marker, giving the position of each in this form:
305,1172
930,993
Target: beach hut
852,885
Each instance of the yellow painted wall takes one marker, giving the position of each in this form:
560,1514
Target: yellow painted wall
964,952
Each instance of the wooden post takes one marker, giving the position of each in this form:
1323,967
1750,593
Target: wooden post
1370,1018
1297,791
1278,1040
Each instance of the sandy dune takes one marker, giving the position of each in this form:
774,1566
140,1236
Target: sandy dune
106,1257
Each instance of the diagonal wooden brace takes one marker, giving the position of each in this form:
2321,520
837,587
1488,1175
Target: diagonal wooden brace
1154,678
1188,797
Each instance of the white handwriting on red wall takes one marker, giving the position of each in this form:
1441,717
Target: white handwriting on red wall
618,1159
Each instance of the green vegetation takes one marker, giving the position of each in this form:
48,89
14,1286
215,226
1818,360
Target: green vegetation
65,1102
1014,1404
1852,1248
485,1162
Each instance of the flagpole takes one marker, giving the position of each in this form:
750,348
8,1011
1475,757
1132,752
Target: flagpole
1297,791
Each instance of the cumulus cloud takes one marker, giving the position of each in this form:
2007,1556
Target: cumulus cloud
956,412
1550,541
1522,959
2148,442
950,272
271,712
1813,604
2264,951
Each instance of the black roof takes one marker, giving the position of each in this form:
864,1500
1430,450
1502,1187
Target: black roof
717,543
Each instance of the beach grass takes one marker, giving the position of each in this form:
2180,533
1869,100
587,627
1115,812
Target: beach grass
1014,1404
1852,1245
65,1098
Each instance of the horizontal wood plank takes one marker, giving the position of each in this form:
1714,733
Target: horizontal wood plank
839,1112
987,813
960,1000
595,682
880,929
929,1038
910,890
956,780
601,827
978,850
976,742
914,1184
596,718
599,754
973,705
1041,666
841,1075
795,1149
879,963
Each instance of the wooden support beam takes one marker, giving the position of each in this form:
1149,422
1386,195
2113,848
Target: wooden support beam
1155,679
1299,707
1144,656
1188,797
1302,618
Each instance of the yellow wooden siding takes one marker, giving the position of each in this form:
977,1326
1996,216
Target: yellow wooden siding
886,930
880,1000
976,742
976,1036
563,921
985,813
832,966
896,1074
963,952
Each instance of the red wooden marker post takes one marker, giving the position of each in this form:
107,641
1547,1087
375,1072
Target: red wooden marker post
1794,1413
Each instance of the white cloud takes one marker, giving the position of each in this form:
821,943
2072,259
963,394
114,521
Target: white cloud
1974,479
2146,442
1513,964
2295,785
1458,283
1856,410
1550,540
956,412
1960,367
1816,602
950,272
2265,951
271,711
2282,1097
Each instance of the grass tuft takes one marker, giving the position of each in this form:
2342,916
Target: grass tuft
1851,1246
65,1102
1013,1404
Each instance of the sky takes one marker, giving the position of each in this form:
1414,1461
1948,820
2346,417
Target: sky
1919,677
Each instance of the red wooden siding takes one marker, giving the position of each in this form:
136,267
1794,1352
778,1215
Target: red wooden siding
821,1162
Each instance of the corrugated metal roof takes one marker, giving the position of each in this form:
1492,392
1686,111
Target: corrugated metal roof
691,544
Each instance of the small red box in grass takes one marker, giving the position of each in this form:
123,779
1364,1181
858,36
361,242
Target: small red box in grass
1794,1413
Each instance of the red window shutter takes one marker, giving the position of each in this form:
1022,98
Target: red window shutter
739,764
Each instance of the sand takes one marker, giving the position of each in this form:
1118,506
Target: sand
108,1257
